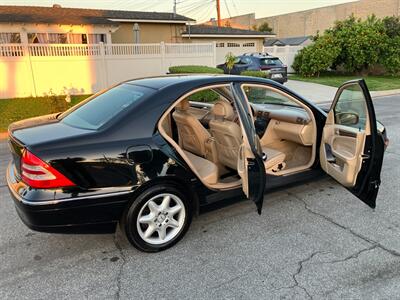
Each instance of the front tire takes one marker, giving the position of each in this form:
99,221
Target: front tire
157,219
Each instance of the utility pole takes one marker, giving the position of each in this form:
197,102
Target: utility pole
218,13
175,8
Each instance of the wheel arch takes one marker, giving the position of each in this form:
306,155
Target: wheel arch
182,185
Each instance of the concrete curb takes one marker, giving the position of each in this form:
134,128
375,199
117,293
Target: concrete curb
375,94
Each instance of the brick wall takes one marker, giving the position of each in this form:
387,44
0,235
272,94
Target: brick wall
310,21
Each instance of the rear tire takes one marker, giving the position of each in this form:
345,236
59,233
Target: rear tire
158,218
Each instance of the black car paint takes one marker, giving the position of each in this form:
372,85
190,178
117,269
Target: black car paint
115,163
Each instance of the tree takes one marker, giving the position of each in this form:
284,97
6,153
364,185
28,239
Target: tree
263,27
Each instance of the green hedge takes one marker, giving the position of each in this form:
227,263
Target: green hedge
255,74
194,69
207,96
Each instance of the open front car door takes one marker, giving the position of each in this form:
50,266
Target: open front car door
351,148
250,163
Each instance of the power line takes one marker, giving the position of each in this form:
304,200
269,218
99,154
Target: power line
227,8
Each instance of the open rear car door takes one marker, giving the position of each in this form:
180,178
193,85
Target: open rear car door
250,163
351,148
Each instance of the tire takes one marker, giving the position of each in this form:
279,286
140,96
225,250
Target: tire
151,224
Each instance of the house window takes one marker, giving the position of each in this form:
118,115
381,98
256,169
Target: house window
220,45
57,38
37,38
66,38
77,38
249,44
96,38
232,45
10,38
47,38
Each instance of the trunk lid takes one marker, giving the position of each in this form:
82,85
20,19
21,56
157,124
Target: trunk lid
38,131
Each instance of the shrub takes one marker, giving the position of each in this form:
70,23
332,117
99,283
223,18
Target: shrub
391,56
230,60
318,57
354,46
255,74
194,69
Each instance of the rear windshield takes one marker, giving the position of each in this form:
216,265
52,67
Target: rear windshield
271,61
103,108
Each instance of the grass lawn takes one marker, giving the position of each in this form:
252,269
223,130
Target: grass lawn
12,110
375,83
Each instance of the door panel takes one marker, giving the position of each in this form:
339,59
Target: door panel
250,164
351,151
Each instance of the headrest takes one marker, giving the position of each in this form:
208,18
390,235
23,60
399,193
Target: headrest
183,105
223,109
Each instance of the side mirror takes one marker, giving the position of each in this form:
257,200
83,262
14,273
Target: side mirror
347,118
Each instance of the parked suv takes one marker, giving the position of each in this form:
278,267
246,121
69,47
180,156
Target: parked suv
258,62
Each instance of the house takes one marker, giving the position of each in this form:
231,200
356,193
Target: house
293,41
59,25
227,39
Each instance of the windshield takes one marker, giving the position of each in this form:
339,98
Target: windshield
103,108
271,61
264,95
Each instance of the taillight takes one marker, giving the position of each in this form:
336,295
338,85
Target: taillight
39,175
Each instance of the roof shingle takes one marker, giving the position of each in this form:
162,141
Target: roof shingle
214,30
61,15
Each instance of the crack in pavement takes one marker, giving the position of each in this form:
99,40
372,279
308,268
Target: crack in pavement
356,234
119,276
352,256
300,268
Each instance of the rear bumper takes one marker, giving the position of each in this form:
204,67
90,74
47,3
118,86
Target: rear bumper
58,211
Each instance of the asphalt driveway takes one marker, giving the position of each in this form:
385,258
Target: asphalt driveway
312,241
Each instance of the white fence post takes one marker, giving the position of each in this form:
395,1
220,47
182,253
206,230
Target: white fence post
103,65
32,74
162,52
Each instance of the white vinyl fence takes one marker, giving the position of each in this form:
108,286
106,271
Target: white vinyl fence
42,69
285,53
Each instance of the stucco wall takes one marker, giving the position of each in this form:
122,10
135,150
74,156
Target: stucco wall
149,33
310,21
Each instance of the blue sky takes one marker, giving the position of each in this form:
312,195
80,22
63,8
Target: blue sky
200,10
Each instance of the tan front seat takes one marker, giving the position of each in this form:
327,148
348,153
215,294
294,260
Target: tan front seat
192,135
227,134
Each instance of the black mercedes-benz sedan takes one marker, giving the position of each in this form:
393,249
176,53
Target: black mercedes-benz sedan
150,153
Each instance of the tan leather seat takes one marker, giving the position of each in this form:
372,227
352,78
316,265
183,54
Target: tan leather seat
192,135
274,158
227,134
207,170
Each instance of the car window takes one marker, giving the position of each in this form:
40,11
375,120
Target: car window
246,60
265,95
101,109
238,59
351,101
271,61
205,96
